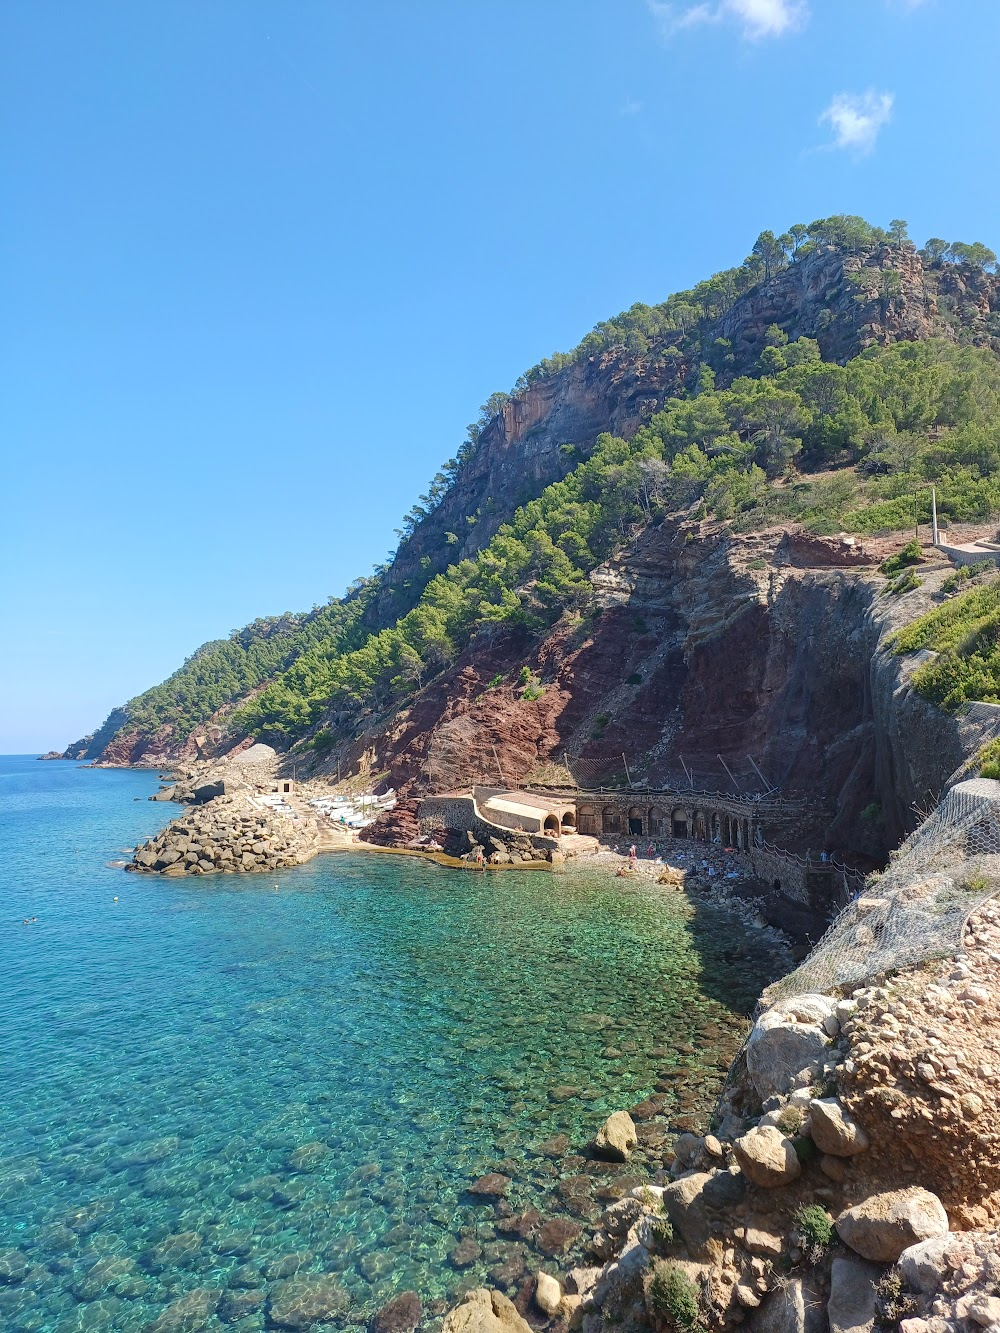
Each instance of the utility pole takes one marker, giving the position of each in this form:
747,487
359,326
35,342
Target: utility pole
628,775
503,780
690,775
934,523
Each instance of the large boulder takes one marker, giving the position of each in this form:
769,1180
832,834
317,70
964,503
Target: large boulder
851,1308
548,1293
695,1206
767,1157
786,1039
834,1130
485,1311
617,1137
208,791
885,1225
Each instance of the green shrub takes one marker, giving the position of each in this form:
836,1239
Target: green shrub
907,582
909,555
496,682
872,812
988,759
634,679
674,1297
322,743
662,1232
816,1228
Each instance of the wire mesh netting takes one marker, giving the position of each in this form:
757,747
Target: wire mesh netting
917,908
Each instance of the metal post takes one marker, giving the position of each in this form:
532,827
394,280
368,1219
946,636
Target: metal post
934,525
726,767
497,758
761,776
628,776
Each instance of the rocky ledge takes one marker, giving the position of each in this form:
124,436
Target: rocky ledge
230,833
850,1181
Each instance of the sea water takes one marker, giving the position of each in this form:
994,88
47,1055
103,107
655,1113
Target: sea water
212,1084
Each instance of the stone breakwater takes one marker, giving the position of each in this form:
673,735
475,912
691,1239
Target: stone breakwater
229,834
850,1180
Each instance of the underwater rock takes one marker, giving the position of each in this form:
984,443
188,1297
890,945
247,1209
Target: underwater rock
301,1301
401,1315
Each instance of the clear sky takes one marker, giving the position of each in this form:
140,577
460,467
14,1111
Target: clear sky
261,262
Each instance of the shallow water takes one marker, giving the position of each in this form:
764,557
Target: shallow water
212,1083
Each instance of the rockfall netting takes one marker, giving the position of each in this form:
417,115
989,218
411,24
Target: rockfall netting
917,908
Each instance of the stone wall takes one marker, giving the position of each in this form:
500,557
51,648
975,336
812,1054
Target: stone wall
461,812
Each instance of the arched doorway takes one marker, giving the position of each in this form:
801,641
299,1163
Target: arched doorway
611,822
551,825
679,823
716,829
587,815
657,823
635,823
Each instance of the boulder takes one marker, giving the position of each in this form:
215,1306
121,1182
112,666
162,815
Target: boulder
616,1137
693,1203
885,1225
785,1040
834,1130
767,1157
485,1311
401,1315
14,1267
548,1293
923,1264
208,792
164,794
852,1304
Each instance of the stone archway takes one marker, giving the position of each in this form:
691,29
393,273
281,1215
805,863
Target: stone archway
636,823
716,829
679,822
657,822
611,822
551,825
700,826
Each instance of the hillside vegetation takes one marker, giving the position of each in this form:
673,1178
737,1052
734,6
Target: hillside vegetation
787,436
886,423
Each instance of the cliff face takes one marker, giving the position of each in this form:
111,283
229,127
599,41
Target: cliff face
713,653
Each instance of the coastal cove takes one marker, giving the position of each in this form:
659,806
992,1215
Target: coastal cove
216,1084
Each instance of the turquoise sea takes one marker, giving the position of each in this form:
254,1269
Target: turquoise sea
210,1086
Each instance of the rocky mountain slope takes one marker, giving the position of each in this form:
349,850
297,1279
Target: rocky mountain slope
847,288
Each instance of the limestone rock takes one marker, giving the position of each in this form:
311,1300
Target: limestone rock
695,1205
884,1225
785,1040
485,1311
834,1130
617,1137
851,1308
767,1157
548,1293
922,1264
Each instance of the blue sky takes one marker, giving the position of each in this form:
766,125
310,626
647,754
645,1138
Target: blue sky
261,263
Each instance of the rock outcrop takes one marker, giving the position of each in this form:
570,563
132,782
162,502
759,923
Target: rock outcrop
230,834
